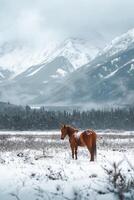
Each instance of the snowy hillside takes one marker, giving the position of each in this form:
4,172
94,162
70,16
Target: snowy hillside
39,166
38,72
57,68
119,44
5,74
37,80
106,79
19,57
77,51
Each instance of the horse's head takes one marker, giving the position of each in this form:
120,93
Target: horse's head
67,130
63,132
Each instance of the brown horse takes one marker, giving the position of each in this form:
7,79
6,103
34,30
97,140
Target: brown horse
86,138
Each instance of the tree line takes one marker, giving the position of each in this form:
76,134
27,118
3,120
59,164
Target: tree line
26,118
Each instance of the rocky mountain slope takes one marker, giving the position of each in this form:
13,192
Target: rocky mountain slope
109,78
18,57
57,63
59,79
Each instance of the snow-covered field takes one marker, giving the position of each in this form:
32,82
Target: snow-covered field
38,166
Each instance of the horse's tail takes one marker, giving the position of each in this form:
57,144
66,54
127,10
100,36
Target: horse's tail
94,145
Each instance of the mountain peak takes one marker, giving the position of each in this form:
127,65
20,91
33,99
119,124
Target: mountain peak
120,43
77,51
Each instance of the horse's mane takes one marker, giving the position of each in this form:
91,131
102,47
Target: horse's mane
72,128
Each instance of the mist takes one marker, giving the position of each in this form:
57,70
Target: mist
37,22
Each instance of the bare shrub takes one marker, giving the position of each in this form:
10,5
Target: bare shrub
118,183
56,175
15,195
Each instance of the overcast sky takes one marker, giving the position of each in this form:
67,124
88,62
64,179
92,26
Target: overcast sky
38,21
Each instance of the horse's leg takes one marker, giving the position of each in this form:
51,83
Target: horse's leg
91,154
76,152
72,148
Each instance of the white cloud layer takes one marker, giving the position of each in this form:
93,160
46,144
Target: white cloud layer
39,21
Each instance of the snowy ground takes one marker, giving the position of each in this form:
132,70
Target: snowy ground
38,165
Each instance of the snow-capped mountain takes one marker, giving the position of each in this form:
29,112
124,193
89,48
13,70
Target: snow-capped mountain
38,71
58,68
77,51
119,44
108,79
36,80
18,57
4,74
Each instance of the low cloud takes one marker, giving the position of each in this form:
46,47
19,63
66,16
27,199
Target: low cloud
38,21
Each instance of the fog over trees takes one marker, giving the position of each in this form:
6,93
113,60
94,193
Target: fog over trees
25,118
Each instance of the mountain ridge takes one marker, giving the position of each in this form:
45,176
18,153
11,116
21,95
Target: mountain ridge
18,57
105,79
